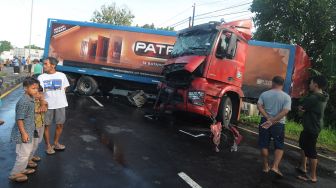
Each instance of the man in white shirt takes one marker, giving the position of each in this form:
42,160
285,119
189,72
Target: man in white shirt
54,85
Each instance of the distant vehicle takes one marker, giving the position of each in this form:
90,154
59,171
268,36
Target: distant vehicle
101,56
214,67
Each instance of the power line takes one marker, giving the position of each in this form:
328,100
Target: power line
175,16
213,2
214,16
180,22
187,19
235,6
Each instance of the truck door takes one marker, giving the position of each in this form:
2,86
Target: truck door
223,66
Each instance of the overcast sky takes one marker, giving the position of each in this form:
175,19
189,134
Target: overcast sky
15,14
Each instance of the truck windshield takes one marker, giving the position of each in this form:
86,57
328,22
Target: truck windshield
197,42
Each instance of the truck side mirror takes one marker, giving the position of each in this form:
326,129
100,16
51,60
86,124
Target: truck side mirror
231,50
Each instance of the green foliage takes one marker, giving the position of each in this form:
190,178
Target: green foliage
5,46
151,26
111,14
329,70
326,139
33,47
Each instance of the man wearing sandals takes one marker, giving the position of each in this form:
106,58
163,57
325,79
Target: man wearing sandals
54,85
274,105
313,107
23,131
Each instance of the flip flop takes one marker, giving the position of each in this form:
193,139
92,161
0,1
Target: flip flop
300,171
59,147
278,174
32,164
18,177
266,171
306,179
28,171
36,158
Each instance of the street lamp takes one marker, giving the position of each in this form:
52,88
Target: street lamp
31,23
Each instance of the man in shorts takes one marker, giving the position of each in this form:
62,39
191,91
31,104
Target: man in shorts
54,85
274,105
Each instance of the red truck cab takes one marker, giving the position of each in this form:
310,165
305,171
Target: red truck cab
204,75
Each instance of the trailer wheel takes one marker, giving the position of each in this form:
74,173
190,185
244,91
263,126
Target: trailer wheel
87,85
72,82
225,111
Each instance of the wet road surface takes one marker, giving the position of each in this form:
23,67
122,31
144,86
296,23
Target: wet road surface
115,146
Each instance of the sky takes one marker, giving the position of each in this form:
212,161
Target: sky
15,14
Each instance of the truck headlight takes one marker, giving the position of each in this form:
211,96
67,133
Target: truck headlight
196,97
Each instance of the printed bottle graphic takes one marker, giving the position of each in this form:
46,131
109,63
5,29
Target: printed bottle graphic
102,48
114,50
84,49
92,48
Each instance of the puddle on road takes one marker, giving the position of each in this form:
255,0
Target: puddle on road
115,130
88,138
84,163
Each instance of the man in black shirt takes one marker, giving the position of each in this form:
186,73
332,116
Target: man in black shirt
313,107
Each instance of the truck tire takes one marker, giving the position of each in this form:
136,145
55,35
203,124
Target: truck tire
72,83
86,85
225,111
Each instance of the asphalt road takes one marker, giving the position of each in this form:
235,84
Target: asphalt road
116,146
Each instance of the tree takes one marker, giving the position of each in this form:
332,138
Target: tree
33,47
111,14
5,46
151,26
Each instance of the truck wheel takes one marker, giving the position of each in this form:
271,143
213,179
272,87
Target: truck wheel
225,111
72,82
87,85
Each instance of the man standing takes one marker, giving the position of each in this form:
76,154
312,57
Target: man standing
313,107
274,105
16,65
37,68
54,85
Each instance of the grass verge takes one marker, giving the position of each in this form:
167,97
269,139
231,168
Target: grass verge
326,139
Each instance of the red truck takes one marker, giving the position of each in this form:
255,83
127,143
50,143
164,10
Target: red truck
215,66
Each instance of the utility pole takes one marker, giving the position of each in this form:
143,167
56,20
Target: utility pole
193,16
189,21
31,22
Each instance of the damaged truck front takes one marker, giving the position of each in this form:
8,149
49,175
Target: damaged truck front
204,75
214,66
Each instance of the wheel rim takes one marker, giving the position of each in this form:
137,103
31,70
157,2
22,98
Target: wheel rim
228,112
85,86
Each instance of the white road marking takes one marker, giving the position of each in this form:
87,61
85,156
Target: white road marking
321,155
189,181
95,100
195,136
149,116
